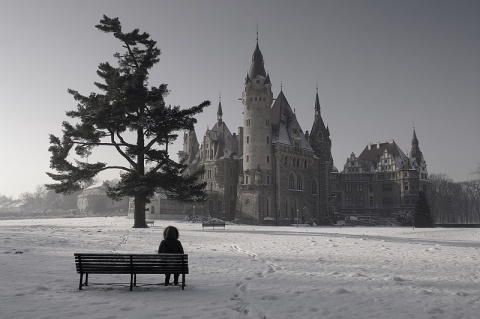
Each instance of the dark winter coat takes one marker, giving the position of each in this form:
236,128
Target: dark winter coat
170,244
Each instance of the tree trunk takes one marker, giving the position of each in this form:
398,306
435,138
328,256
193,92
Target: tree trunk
139,215
140,200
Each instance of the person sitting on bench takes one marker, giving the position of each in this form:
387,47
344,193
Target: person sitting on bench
170,245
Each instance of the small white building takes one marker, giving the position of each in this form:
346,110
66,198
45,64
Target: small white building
94,199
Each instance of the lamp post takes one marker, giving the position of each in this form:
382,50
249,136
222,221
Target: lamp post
193,212
297,218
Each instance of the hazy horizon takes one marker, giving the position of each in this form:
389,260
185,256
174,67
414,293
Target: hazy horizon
382,68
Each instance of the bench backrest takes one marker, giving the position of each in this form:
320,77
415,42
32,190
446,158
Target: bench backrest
132,263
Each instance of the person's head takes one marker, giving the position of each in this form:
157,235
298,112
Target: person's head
170,232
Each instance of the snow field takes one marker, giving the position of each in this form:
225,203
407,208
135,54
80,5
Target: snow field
244,271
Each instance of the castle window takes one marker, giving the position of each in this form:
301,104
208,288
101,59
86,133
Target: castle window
299,183
268,180
305,164
268,140
387,188
248,122
314,187
360,201
348,201
371,201
246,179
405,187
359,188
248,139
291,182
268,159
285,160
248,158
255,99
348,188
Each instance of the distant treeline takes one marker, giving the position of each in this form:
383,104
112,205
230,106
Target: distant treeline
455,202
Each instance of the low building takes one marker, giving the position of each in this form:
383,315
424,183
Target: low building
94,199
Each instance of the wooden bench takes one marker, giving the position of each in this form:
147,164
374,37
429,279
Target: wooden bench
131,264
217,224
150,222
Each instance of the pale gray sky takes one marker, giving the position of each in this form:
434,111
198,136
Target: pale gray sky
381,67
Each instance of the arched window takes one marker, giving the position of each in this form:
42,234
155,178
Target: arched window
285,160
299,182
291,182
305,164
314,187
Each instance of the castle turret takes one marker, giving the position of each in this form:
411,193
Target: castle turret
319,140
257,98
416,158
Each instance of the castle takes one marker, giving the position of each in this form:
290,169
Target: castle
271,172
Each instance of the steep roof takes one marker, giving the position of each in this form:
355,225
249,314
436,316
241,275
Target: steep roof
283,120
226,145
257,66
318,124
373,152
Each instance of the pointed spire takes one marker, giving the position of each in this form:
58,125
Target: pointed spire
257,66
317,104
219,111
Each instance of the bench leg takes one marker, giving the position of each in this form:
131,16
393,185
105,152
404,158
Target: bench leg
86,279
131,282
183,281
80,284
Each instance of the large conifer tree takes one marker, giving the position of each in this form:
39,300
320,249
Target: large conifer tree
131,118
422,216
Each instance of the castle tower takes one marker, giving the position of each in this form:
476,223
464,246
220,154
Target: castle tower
319,139
255,198
257,99
417,160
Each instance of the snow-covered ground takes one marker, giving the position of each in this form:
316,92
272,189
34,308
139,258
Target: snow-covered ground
244,272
